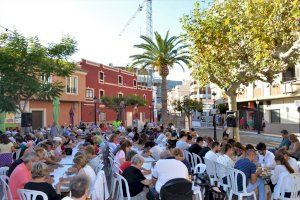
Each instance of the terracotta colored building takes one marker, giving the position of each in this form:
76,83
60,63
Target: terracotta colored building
103,81
70,102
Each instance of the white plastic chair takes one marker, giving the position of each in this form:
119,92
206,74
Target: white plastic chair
236,175
120,181
189,157
223,173
197,159
100,189
31,194
3,170
200,168
4,180
99,167
291,184
211,171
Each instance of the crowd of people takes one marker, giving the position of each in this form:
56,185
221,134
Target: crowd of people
35,155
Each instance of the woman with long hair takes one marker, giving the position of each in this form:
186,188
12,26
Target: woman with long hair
282,169
122,152
294,148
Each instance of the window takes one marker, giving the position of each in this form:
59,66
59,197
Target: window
89,93
120,80
101,76
120,94
289,74
134,83
101,94
72,85
275,116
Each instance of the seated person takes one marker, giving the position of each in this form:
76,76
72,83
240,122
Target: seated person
253,181
282,169
154,149
292,161
212,154
178,154
128,158
93,159
41,182
135,178
266,158
167,168
79,188
182,142
196,148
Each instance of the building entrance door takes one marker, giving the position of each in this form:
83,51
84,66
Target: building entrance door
37,119
129,119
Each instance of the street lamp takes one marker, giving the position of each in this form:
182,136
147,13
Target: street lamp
258,116
214,116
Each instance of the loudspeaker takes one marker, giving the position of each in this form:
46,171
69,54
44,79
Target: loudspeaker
231,119
26,120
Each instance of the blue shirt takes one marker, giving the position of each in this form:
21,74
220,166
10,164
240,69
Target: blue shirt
246,166
285,143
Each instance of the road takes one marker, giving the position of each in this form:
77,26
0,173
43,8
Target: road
246,138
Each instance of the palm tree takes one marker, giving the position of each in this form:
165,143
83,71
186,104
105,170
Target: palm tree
161,54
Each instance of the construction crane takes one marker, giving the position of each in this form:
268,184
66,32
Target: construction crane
149,31
140,9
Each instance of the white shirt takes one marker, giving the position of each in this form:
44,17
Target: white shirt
167,169
160,138
267,160
88,170
182,145
121,129
210,155
155,151
279,172
225,160
294,164
131,135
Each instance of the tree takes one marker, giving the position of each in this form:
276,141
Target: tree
188,106
235,43
119,104
161,54
25,67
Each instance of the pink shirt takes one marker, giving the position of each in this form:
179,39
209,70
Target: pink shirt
119,156
19,177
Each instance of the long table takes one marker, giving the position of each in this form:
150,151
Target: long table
66,163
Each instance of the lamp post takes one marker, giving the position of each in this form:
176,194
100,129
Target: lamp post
214,116
152,111
96,101
258,116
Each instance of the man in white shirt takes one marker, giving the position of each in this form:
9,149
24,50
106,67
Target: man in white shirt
167,168
182,142
121,128
266,158
212,154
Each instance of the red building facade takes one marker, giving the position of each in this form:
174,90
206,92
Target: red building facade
110,81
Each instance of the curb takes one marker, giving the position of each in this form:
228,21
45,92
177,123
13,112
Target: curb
252,134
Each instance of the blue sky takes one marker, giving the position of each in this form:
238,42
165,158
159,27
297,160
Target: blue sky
95,24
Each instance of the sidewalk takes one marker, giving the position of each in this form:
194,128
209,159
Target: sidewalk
269,136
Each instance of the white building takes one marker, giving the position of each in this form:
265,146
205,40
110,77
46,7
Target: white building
178,93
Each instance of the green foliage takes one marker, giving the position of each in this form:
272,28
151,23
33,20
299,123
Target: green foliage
222,108
26,65
161,54
238,41
187,106
115,102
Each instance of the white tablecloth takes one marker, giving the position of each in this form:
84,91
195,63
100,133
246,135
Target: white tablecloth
67,162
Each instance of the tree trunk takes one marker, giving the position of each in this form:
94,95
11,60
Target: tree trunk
233,107
164,116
